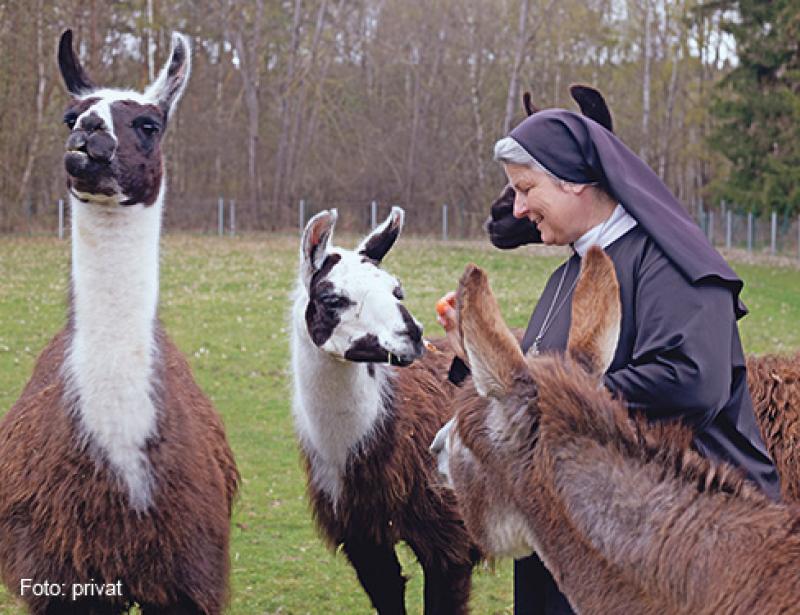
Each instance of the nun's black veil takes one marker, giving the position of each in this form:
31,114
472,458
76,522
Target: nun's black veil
578,149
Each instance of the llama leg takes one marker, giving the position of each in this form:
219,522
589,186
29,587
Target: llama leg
447,590
184,606
80,607
380,575
442,548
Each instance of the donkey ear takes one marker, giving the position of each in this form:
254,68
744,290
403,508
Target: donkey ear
528,105
375,245
315,242
596,314
75,78
492,350
592,105
167,89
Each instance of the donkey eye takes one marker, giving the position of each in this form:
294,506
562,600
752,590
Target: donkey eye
70,119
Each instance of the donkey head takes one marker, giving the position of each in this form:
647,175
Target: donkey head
354,308
490,448
114,148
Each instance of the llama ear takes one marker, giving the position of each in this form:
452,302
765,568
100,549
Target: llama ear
596,314
167,89
492,350
528,105
375,245
315,242
75,78
592,105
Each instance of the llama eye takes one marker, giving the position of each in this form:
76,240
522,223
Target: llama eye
145,125
70,119
333,302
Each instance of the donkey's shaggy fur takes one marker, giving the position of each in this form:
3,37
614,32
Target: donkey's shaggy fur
775,386
626,517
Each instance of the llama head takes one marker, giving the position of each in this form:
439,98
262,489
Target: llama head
354,310
113,152
519,231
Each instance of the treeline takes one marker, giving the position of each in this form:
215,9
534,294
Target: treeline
341,102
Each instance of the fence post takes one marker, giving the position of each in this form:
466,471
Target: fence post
773,233
302,215
373,215
728,228
220,216
444,222
749,231
711,227
232,215
61,218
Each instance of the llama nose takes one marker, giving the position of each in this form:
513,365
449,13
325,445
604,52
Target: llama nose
92,122
101,146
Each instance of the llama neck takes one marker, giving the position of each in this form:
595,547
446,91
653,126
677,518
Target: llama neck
337,404
110,365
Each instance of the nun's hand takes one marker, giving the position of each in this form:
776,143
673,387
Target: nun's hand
506,231
447,316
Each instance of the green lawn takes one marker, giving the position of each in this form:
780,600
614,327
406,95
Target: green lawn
225,302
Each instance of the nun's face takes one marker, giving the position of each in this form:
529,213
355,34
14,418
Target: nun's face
562,213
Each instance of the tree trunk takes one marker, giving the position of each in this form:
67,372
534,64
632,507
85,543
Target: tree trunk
644,150
284,97
250,69
519,51
34,135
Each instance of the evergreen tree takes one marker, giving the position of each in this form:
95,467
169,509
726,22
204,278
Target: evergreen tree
757,108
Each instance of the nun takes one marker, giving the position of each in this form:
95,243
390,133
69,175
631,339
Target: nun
679,356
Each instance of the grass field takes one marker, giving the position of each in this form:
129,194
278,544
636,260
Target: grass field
225,302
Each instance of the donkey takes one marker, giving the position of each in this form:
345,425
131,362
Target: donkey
364,425
774,381
115,467
624,514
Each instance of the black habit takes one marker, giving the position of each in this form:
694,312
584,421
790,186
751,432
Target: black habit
679,357
679,354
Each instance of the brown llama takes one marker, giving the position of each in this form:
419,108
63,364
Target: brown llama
775,386
364,424
117,479
625,515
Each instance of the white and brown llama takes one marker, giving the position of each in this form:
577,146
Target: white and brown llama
115,467
364,424
625,515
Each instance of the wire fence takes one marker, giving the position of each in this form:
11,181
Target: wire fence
773,234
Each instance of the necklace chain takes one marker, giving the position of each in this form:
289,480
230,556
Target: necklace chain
553,311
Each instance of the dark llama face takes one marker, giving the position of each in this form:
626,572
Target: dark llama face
113,152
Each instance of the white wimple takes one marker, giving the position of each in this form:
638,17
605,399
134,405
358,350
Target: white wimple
337,405
110,362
